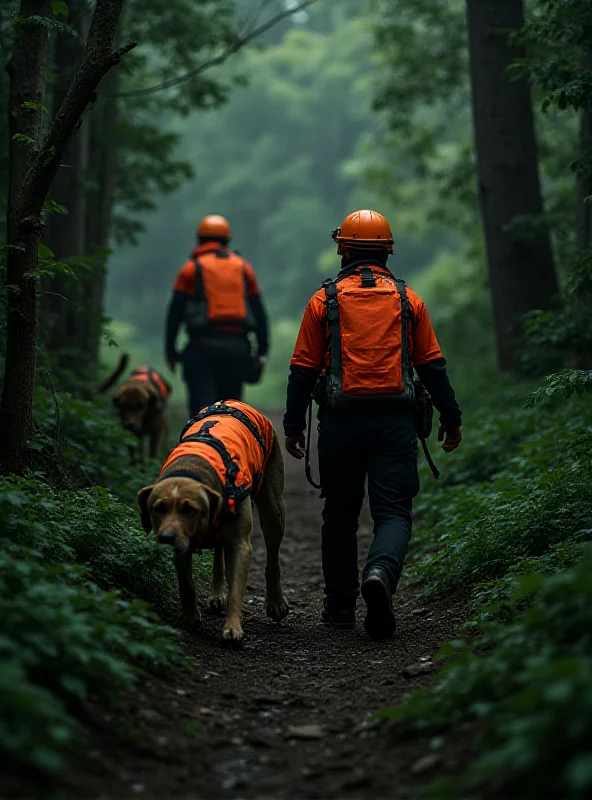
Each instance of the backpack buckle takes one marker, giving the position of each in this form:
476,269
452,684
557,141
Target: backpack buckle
368,279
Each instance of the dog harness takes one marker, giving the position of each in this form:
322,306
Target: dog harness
151,375
236,440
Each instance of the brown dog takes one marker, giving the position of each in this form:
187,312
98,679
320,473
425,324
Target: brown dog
141,403
227,456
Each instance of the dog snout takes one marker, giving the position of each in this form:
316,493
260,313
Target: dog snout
166,537
131,427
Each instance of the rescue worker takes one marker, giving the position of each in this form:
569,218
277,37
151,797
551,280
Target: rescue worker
217,297
361,337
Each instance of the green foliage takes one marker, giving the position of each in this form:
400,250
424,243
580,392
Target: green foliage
92,448
62,639
524,486
534,682
59,8
26,140
561,385
73,565
51,207
89,527
175,38
558,35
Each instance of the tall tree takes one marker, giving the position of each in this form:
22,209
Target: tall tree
30,181
64,302
519,256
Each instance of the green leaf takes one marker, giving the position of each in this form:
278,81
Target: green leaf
51,207
21,137
59,8
35,106
43,251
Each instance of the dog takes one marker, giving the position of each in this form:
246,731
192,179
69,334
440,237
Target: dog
141,403
228,456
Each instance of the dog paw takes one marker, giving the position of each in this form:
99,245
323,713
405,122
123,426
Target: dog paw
232,635
217,604
191,622
277,607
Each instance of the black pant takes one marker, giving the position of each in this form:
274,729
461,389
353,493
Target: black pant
214,369
352,445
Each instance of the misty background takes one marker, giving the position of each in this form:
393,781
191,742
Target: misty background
285,159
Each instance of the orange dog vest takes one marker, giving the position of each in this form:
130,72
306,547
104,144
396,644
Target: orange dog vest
236,440
149,374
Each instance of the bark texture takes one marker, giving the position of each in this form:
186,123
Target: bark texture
30,182
521,268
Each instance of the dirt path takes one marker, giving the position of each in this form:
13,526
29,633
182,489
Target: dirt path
226,730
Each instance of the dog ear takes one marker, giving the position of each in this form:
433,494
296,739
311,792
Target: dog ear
143,496
215,503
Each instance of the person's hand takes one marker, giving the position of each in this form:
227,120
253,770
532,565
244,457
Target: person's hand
296,446
451,437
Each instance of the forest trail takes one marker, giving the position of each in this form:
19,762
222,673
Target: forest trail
234,727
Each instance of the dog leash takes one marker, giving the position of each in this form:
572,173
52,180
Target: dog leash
307,469
428,457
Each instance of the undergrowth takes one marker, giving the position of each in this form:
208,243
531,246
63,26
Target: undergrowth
79,580
509,525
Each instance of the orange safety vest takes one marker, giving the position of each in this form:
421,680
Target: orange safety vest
236,440
221,292
149,374
369,360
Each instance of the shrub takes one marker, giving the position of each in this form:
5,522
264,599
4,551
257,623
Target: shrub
62,641
539,495
532,693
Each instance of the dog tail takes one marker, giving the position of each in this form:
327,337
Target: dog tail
115,375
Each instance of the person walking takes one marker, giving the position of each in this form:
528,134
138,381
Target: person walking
216,296
361,337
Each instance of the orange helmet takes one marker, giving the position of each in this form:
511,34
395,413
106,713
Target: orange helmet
214,227
364,230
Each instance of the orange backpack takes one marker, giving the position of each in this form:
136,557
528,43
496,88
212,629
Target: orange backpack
369,316
221,293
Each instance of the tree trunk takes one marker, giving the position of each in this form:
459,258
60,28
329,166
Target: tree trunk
27,84
101,201
63,303
521,270
583,302
30,182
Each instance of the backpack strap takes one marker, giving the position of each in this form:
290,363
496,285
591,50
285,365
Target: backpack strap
407,319
199,293
221,408
332,304
234,494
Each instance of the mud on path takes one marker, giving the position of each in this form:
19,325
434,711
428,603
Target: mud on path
234,727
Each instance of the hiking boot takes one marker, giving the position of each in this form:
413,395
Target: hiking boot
380,622
338,617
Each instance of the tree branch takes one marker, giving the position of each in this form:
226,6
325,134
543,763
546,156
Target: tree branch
97,60
219,59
